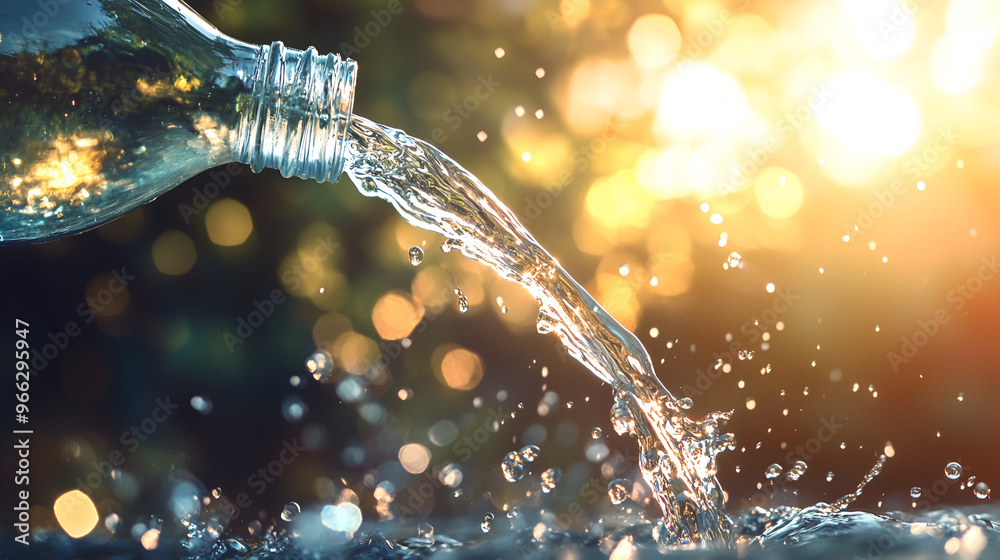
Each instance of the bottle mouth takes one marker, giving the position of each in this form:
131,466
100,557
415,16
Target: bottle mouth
299,113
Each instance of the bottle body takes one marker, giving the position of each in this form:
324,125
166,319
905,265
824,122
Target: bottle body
106,105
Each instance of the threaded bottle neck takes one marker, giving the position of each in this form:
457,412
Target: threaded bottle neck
299,113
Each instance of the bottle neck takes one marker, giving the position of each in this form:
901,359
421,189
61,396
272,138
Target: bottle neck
298,114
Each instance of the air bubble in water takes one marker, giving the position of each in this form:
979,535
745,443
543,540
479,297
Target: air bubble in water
617,491
734,259
529,453
369,185
953,470
685,403
550,478
915,492
982,490
772,472
595,433
291,510
513,467
487,523
797,470
320,365
829,476
217,492
416,255
463,302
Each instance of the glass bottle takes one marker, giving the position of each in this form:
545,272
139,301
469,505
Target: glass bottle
106,104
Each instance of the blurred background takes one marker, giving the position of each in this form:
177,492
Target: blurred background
792,204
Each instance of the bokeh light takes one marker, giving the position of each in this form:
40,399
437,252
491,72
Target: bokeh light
75,513
395,315
414,457
228,223
174,253
779,192
653,40
457,367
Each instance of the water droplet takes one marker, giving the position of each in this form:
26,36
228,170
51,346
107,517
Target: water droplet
416,255
734,259
320,365
685,403
463,302
915,492
217,492
829,476
982,490
617,491
623,269
529,453
425,531
595,433
291,510
487,523
369,186
797,470
953,470
513,467
550,478
773,471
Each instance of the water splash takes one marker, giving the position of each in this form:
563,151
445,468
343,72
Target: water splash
433,192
